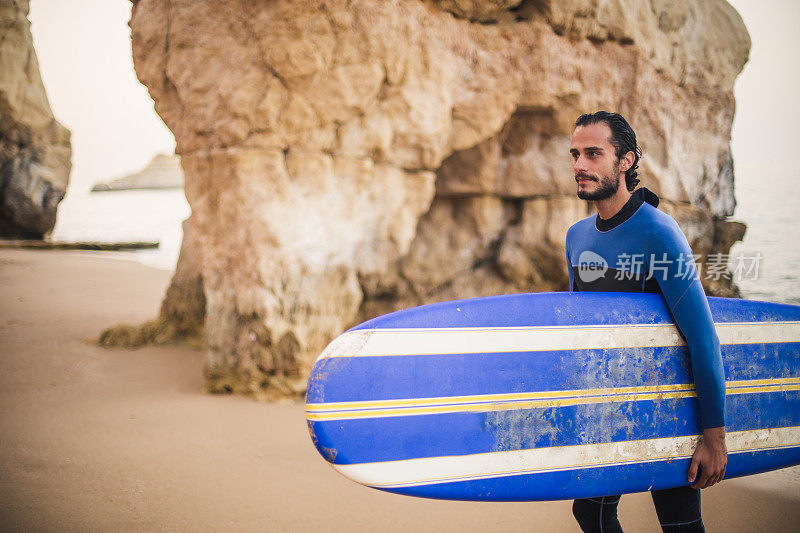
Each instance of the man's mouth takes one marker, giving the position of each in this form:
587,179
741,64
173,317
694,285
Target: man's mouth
580,178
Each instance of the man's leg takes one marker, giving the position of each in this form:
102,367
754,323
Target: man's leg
597,514
678,509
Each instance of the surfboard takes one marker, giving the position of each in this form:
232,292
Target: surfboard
548,396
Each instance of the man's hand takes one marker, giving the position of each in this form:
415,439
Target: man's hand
711,456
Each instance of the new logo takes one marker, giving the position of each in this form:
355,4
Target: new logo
591,266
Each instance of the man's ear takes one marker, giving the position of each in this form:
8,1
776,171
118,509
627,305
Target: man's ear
626,161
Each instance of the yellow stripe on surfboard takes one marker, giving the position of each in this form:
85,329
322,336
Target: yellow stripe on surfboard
532,400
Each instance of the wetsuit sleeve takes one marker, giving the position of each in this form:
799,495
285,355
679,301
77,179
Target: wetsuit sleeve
673,268
569,265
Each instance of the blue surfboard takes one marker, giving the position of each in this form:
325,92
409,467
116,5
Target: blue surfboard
549,396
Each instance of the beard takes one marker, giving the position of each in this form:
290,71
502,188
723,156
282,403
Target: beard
608,186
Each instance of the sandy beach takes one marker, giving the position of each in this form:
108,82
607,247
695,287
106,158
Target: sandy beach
115,440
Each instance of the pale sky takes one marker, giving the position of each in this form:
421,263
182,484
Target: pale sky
84,54
766,93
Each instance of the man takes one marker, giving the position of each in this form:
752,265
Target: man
648,250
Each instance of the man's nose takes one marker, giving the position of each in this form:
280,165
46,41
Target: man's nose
580,164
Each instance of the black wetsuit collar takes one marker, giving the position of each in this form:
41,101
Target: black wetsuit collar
639,196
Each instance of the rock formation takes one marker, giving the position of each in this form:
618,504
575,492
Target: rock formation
183,309
162,172
35,150
345,158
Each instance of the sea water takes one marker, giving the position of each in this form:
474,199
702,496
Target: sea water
772,214
126,216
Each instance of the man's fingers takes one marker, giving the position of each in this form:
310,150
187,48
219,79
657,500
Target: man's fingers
692,470
708,462
709,480
703,481
719,474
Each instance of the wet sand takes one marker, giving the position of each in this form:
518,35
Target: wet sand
116,440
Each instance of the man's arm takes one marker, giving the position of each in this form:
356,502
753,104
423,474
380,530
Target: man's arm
689,306
693,317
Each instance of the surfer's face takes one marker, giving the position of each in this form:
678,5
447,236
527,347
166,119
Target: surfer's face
595,163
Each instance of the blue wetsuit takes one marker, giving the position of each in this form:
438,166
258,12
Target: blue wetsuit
646,251
641,249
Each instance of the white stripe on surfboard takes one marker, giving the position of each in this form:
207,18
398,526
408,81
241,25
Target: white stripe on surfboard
530,400
435,470
428,341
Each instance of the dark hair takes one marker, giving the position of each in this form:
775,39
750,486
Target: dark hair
622,137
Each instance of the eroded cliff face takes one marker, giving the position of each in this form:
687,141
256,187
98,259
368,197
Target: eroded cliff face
35,150
347,158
